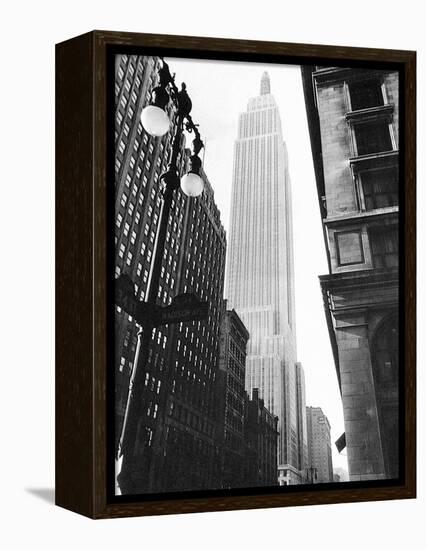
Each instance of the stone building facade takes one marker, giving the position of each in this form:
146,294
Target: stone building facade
178,433
353,124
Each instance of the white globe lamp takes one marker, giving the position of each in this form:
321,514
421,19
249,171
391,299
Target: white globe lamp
155,120
192,183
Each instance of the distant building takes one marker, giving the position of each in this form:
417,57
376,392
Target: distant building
320,464
342,473
260,438
353,123
301,417
177,438
260,274
231,398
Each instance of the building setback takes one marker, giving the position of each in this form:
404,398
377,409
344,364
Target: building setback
320,464
260,275
353,124
248,431
178,433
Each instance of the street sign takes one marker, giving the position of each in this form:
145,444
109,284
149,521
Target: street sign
184,307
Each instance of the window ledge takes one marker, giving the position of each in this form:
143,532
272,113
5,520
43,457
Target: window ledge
370,113
362,214
374,160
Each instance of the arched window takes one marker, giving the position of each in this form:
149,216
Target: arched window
386,376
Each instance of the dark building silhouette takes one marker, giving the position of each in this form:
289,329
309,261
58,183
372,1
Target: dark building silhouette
231,397
261,441
353,124
248,433
177,437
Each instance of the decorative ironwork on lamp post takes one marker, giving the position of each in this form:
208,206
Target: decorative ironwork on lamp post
148,314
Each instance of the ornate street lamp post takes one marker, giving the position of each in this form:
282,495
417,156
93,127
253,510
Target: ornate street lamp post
131,479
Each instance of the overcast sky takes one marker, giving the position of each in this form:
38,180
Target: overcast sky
220,91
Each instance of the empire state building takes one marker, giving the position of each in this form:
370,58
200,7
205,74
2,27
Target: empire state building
260,274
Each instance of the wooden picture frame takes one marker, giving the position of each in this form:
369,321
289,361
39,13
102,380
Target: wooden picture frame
83,291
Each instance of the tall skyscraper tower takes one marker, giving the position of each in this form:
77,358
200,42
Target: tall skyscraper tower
260,276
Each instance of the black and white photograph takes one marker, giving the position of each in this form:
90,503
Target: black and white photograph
213,249
256,283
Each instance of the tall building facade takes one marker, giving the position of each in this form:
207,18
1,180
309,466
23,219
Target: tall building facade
260,274
231,397
319,446
260,442
353,124
248,431
177,436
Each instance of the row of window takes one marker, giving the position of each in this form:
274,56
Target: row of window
191,419
200,396
372,131
233,421
236,351
377,188
237,368
235,400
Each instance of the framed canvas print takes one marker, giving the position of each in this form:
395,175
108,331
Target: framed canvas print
235,240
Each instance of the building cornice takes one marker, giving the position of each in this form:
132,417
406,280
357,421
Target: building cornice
328,75
360,279
354,280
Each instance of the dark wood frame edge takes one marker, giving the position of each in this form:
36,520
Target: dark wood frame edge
81,275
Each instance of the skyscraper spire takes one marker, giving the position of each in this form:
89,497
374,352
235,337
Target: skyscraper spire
260,275
265,84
